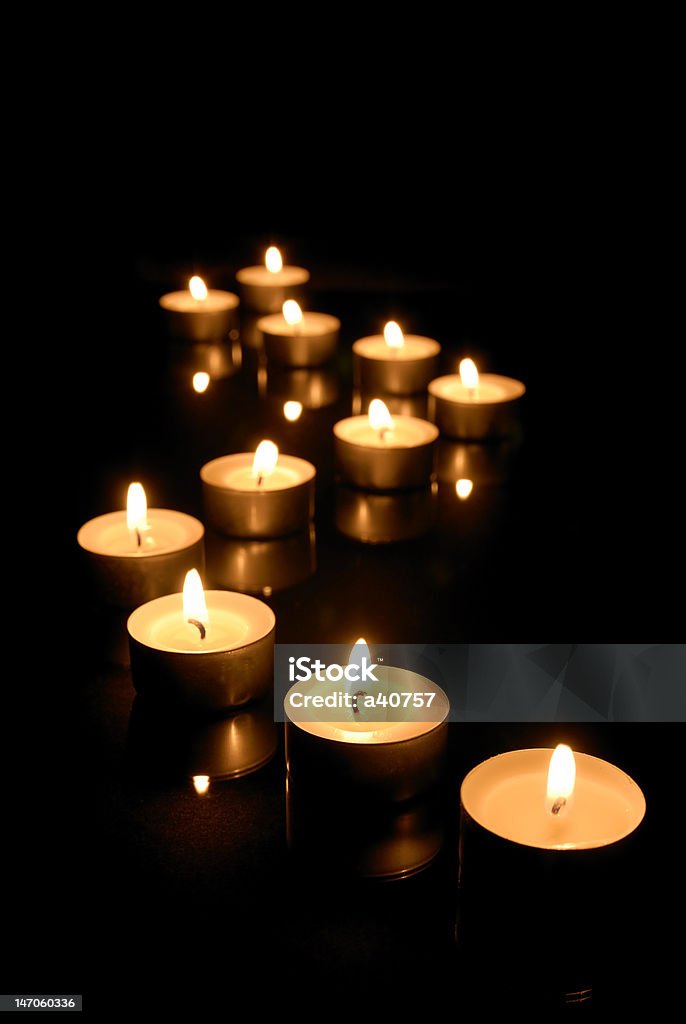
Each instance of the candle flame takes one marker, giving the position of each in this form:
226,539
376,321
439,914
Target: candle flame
266,457
136,508
201,381
201,784
197,288
272,260
359,650
379,417
194,604
469,375
292,313
393,335
463,488
561,780
292,411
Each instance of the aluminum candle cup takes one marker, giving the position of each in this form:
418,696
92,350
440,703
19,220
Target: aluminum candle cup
383,518
265,291
231,665
125,574
489,410
311,342
385,460
200,320
395,371
260,566
393,759
237,506
544,895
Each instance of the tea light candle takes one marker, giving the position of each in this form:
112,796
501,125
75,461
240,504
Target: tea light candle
388,752
199,314
210,650
395,363
264,494
541,829
266,288
294,338
383,453
141,553
474,406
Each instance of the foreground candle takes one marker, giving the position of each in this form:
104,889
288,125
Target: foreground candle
210,650
200,314
141,553
384,452
294,338
266,288
260,494
393,749
474,406
543,830
395,363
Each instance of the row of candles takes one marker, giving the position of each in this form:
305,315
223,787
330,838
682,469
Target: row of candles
213,650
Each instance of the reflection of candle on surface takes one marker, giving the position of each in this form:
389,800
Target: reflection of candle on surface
262,495
292,411
140,553
265,288
209,649
376,518
382,452
201,382
475,405
201,784
200,314
395,363
297,338
463,488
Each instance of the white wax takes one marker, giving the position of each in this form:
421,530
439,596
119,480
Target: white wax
408,432
311,326
167,531
234,621
415,347
183,302
492,388
260,277
507,796
382,725
234,472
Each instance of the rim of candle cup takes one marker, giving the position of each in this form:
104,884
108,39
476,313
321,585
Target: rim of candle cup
229,600
388,355
387,445
437,386
196,528
301,277
229,300
241,459
538,763
274,324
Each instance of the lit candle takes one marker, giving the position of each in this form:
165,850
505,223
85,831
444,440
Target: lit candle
211,650
395,363
294,338
375,518
265,288
381,452
394,748
260,494
544,837
200,314
473,406
140,553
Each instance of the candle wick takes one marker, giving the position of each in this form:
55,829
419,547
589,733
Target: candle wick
358,693
558,805
139,539
382,433
260,478
203,631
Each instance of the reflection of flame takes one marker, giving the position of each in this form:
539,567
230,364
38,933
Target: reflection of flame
561,780
266,457
201,784
136,508
469,375
463,488
292,411
292,313
379,417
393,335
272,260
197,288
194,604
201,381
